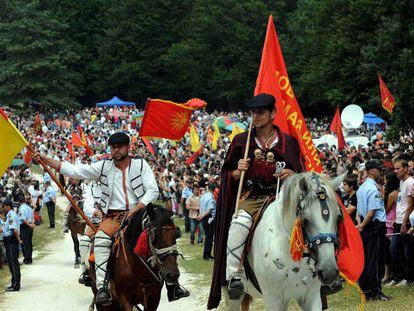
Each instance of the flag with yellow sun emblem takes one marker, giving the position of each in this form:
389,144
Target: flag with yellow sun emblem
165,119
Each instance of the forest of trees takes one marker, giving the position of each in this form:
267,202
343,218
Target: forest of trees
63,53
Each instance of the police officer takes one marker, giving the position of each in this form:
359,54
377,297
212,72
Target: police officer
26,222
11,236
370,207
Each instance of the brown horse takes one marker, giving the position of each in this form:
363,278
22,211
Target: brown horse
76,224
135,280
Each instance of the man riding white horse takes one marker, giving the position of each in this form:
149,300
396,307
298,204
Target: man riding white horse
127,185
268,145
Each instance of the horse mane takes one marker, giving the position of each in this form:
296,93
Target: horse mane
291,192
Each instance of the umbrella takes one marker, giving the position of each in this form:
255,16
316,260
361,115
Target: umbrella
371,118
17,162
222,122
239,124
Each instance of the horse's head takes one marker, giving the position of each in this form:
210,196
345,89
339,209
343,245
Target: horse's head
162,235
315,204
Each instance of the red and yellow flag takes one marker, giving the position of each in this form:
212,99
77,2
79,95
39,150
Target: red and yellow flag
165,119
387,100
273,79
336,127
12,141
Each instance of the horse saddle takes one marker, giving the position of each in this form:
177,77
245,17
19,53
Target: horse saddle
256,219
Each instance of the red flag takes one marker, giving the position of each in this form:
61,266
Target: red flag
76,140
351,253
37,126
273,79
387,100
28,156
195,155
82,135
336,127
69,146
149,146
165,119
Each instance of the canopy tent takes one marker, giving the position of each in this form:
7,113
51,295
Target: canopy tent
371,118
115,102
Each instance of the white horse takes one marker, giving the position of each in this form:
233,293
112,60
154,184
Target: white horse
310,197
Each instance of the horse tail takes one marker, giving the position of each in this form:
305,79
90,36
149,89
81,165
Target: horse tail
246,302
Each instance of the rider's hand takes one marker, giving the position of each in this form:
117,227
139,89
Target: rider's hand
285,173
243,165
97,213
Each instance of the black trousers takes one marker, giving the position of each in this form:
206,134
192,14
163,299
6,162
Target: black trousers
186,212
208,229
51,212
402,254
373,237
26,234
12,254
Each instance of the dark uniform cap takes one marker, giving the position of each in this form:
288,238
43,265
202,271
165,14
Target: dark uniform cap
7,201
373,164
118,138
261,101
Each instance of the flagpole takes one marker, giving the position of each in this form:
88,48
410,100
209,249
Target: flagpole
71,200
243,173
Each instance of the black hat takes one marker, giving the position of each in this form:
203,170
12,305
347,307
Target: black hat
262,101
118,138
373,164
8,202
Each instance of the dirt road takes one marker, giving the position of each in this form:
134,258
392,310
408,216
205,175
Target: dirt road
51,283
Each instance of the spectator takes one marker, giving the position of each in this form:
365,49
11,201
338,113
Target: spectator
193,206
207,214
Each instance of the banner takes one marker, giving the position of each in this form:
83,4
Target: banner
12,141
273,79
336,127
236,130
387,100
216,136
194,139
165,119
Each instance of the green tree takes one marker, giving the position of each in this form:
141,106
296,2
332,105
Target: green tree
34,59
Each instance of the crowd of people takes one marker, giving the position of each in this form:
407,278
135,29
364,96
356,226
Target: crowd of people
377,192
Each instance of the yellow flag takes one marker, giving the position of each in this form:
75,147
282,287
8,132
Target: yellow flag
194,139
12,141
216,136
236,130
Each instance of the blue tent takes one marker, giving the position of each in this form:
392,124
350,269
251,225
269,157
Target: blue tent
115,102
371,118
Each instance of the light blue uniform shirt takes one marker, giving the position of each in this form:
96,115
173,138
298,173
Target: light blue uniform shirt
186,193
49,194
369,199
25,213
11,222
2,228
207,202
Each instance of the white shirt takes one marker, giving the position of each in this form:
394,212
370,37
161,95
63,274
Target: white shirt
406,188
123,196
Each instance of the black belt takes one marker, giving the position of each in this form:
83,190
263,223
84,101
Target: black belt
10,239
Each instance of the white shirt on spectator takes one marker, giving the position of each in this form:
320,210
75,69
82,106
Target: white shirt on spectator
406,188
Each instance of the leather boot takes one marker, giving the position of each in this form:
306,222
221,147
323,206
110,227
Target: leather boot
176,291
103,297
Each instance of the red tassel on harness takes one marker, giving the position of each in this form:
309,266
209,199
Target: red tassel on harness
142,248
297,245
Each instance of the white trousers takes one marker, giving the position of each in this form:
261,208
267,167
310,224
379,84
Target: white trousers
84,249
238,232
102,250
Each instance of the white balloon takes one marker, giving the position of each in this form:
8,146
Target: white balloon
352,116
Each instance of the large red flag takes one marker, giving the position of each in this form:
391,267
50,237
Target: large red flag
273,79
387,100
336,127
165,119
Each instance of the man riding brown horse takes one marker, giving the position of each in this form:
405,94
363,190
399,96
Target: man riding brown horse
128,185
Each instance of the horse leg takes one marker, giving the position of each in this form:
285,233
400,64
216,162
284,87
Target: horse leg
76,249
231,304
124,303
274,302
311,302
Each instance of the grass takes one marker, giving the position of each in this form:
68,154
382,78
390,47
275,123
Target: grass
347,299
42,235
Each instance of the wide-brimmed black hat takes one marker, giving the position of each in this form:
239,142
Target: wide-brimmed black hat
373,164
118,138
262,100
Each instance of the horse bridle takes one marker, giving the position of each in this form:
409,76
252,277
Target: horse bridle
322,237
159,254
